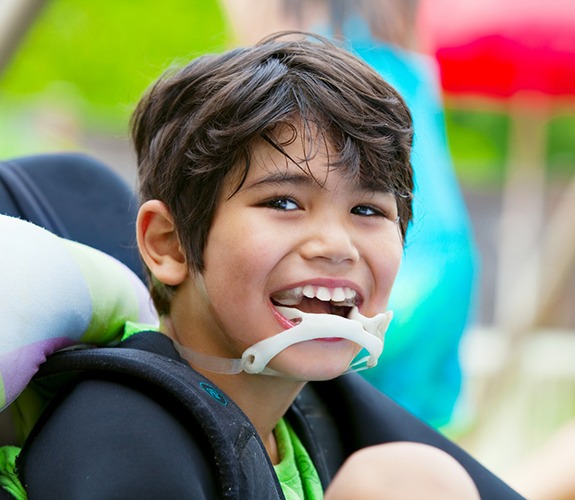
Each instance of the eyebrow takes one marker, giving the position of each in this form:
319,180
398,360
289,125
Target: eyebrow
304,179
282,178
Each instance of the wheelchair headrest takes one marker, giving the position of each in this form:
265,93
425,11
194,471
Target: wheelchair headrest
76,197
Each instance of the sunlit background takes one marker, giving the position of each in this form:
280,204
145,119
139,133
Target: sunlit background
81,66
78,67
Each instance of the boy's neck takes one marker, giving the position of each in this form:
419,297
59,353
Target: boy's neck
264,399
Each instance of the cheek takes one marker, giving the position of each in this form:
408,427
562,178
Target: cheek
394,258
237,269
238,260
239,256
384,265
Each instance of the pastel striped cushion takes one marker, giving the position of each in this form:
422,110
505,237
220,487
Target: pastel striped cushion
55,293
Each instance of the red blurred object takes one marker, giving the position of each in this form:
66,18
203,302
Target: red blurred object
500,47
520,53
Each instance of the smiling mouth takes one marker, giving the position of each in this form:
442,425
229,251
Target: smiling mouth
318,299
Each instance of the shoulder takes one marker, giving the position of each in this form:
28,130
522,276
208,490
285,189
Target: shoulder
143,425
103,438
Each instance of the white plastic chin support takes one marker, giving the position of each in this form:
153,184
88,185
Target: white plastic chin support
366,332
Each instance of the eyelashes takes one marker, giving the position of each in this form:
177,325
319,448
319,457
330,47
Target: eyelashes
281,203
369,211
288,203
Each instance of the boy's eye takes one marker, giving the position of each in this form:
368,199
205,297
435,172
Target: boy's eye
282,203
366,211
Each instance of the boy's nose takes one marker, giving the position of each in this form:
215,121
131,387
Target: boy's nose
332,242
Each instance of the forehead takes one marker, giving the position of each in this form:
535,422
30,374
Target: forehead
286,153
299,160
308,153
290,148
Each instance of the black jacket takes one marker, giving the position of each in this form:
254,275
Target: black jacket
140,423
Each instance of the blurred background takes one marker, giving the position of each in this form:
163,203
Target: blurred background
71,72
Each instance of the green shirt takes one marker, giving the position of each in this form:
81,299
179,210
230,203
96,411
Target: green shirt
296,473
8,478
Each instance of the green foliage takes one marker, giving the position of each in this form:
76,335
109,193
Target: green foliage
561,145
100,56
478,143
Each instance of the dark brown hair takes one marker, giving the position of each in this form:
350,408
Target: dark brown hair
198,124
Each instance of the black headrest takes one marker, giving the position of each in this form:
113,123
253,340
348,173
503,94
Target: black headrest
76,197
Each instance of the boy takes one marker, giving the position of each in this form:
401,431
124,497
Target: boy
276,193
440,263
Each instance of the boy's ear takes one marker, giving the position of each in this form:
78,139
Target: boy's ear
159,243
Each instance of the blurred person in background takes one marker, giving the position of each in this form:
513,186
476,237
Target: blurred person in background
435,293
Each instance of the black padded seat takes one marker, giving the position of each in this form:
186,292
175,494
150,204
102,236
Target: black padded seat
76,197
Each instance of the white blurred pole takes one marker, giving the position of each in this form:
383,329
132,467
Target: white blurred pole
518,290
16,16
558,250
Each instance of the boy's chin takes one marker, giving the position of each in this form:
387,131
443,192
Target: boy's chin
312,361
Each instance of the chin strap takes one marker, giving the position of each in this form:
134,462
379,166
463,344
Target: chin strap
366,332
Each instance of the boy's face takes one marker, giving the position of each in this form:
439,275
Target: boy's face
282,239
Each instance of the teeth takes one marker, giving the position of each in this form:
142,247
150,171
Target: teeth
323,294
289,297
343,296
338,295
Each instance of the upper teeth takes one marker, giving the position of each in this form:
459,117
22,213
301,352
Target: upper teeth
342,296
